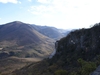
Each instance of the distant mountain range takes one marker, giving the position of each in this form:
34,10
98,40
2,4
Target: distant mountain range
51,32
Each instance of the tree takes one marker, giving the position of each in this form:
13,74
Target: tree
86,67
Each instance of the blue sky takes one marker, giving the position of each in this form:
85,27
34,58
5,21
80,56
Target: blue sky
66,14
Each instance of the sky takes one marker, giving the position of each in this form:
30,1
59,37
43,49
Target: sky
65,14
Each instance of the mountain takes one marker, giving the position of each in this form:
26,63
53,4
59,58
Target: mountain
22,40
21,44
76,54
50,32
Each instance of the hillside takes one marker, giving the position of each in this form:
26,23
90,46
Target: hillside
77,54
22,43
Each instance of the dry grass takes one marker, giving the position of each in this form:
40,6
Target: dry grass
13,63
27,59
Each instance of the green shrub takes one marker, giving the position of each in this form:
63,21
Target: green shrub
86,67
61,72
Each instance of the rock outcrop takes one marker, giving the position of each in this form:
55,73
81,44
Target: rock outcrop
96,72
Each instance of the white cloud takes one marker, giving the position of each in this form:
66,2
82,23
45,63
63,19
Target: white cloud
62,6
30,0
44,1
10,1
0,18
42,9
75,13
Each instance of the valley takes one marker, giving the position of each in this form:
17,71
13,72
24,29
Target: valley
22,44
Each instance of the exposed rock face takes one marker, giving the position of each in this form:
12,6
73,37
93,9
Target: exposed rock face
54,52
96,72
